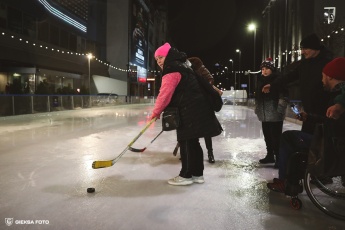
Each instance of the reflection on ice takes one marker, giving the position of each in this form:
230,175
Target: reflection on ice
46,168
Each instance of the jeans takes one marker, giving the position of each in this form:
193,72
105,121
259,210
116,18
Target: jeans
291,141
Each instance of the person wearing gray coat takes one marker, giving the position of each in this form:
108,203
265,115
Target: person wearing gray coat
270,109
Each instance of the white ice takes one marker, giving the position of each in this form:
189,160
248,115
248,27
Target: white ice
45,169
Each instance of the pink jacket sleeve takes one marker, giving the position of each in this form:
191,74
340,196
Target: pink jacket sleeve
169,83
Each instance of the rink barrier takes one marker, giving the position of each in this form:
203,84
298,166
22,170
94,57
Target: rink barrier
289,115
18,104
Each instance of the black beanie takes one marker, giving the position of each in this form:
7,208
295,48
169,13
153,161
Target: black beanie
312,41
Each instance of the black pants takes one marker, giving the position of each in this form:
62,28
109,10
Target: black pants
192,158
208,143
272,132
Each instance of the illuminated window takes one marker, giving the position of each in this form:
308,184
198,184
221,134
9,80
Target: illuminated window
329,15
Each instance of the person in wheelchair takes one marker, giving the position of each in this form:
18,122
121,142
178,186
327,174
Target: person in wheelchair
292,163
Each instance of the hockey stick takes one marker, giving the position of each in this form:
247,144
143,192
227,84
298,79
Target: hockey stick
109,163
176,149
143,149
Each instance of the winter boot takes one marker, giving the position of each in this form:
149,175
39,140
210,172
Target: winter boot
211,157
268,159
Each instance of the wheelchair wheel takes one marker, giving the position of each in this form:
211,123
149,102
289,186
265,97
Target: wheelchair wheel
296,203
326,196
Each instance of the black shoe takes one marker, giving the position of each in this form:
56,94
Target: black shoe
278,186
267,160
211,158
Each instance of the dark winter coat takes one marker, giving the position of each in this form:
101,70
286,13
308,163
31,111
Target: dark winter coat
333,141
309,75
267,106
197,118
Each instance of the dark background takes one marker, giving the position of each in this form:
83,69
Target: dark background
213,30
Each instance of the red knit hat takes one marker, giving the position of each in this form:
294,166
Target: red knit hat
163,50
335,69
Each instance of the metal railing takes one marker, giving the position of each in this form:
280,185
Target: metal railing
30,104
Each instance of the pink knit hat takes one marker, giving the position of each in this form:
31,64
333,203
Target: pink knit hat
163,50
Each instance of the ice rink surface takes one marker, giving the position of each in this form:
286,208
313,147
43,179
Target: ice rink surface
45,169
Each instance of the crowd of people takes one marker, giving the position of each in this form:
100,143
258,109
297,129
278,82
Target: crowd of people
321,78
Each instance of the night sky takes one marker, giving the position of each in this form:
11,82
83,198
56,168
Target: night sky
213,30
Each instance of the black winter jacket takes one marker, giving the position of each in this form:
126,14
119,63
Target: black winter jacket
197,118
309,74
333,141
267,106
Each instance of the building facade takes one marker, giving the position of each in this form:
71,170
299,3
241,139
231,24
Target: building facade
288,21
45,45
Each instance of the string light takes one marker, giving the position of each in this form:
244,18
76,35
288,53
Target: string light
335,32
72,53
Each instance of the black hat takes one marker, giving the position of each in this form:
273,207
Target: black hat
312,41
268,63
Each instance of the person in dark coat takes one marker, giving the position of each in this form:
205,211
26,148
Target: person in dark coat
270,109
294,141
309,75
181,89
199,68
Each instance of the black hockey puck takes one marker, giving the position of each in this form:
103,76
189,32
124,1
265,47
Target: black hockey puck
90,190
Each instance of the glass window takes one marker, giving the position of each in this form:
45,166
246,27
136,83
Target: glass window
3,16
329,15
29,26
64,39
54,35
43,32
14,20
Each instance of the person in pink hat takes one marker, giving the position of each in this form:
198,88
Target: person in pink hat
181,89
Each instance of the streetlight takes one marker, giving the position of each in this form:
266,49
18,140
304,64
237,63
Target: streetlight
227,77
232,69
89,57
239,66
232,65
252,27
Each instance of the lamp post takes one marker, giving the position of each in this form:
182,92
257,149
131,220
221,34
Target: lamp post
89,57
239,66
252,27
226,77
232,67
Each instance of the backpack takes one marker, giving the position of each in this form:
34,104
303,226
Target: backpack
212,96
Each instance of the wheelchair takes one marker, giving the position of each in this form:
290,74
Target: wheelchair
326,193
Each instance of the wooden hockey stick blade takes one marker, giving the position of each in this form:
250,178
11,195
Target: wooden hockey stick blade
102,164
109,163
143,149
